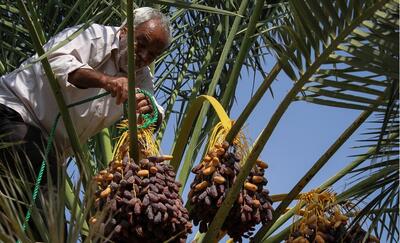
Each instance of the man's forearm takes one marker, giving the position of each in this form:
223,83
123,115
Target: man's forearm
88,78
118,87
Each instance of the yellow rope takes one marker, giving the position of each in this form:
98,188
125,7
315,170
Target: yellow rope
146,142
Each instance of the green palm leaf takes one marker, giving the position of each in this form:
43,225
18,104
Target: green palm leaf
339,54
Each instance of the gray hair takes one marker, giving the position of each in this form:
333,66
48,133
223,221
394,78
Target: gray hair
144,14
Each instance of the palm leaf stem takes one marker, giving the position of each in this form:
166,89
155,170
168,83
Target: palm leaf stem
267,132
35,21
105,145
247,41
132,123
266,84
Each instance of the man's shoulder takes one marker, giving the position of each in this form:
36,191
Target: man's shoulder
96,30
100,27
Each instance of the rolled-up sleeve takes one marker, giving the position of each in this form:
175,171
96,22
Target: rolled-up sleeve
62,65
77,53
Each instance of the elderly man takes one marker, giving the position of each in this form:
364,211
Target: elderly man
92,63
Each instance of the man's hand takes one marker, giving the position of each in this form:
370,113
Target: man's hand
143,104
118,87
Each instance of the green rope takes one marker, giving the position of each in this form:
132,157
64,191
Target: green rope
148,120
41,172
47,151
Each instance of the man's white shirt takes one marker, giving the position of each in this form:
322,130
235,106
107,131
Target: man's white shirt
27,89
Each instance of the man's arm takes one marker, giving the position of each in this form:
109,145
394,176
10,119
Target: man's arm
84,78
88,78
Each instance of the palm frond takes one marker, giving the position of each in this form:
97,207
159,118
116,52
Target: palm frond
314,51
359,68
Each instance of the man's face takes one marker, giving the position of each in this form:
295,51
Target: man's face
151,41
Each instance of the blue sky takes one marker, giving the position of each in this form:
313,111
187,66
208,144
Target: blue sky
303,134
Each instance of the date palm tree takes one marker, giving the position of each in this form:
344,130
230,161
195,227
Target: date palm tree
339,54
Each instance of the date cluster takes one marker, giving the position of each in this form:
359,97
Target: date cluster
213,178
141,202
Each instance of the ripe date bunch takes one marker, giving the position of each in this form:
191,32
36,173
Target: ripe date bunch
324,221
214,176
140,202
